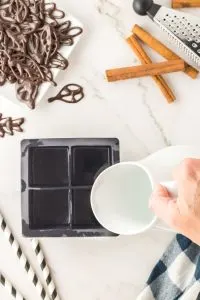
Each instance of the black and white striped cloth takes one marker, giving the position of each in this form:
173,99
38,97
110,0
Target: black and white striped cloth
177,274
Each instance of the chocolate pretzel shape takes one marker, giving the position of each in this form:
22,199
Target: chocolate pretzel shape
70,93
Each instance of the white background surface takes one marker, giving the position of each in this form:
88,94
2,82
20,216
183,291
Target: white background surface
136,113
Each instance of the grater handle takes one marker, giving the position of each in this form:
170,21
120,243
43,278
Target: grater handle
146,7
153,10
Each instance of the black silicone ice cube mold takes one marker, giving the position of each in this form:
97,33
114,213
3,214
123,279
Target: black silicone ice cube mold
57,177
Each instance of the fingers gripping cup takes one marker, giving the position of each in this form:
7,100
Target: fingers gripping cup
120,197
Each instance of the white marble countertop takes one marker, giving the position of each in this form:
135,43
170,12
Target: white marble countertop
136,113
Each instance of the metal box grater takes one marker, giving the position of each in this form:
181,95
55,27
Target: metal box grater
182,29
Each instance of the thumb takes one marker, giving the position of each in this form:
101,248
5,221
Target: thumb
164,206
159,192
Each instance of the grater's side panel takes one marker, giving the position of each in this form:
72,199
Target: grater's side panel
183,31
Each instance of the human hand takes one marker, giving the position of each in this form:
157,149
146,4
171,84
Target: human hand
181,213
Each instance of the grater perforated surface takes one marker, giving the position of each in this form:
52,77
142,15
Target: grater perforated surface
183,30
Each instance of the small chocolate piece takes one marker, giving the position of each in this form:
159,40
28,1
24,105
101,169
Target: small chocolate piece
30,39
70,93
9,125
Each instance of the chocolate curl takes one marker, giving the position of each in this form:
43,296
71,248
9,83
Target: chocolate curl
31,25
59,62
8,125
68,33
55,43
4,4
27,92
2,78
52,13
14,11
16,124
46,42
20,10
48,75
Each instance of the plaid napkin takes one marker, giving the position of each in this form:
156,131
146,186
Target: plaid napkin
177,274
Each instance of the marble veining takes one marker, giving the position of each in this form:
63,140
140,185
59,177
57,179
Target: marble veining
151,113
98,95
112,10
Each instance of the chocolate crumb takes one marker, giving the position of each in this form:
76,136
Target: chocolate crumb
70,93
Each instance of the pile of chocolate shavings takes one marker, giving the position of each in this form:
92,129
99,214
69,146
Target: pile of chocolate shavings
31,35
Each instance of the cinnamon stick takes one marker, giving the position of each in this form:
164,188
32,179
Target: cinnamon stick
145,70
185,3
145,59
160,48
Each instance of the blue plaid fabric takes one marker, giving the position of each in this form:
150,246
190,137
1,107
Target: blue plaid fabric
177,274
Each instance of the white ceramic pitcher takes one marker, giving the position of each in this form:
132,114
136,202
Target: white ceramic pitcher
120,194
